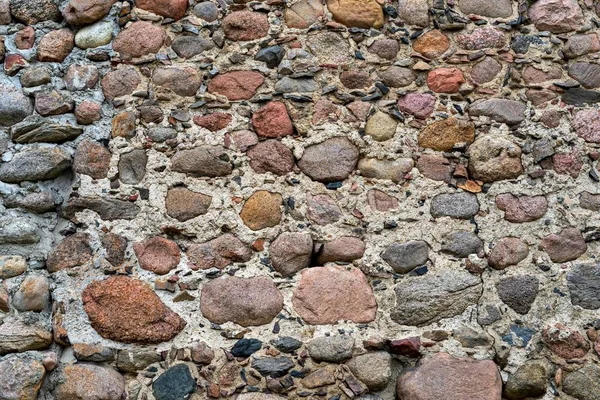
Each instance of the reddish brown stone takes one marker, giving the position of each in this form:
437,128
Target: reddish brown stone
418,104
71,252
120,82
262,210
213,122
219,252
291,252
355,79
521,208
322,209
435,167
91,159
53,102
381,201
533,75
237,85
272,121
409,347
175,9
245,25
157,254
567,164
127,310
325,111
13,63
243,301
303,14
271,156
123,124
184,204
432,44
565,342
115,246
55,46
84,12
329,294
139,39
508,251
182,81
445,80
445,377
344,249
87,112
25,38
90,381
568,245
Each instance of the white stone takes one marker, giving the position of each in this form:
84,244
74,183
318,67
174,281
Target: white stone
94,35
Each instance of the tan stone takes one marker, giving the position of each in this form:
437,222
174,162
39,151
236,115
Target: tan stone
262,210
357,13
445,134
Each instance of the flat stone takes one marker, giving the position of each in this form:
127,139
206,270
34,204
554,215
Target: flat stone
91,159
404,257
482,38
134,360
120,82
274,367
588,74
39,130
319,378
445,377
243,301
435,167
584,285
17,336
329,161
583,383
35,164
485,70
580,45
190,46
461,205
14,105
444,135
184,204
33,294
236,85
462,243
272,121
174,9
518,292
55,46
329,294
522,208
132,166
397,76
108,209
505,111
445,80
528,381
286,344
90,381
494,158
500,9
393,170
381,126
96,35
175,383
507,251
322,209
291,85
381,201
356,13
157,254
291,252
18,230
262,210
127,310
244,348
219,252
209,161
587,125
333,349
84,12
22,378
372,369
342,249
303,14
139,39
271,156
420,105
568,245
565,342
245,25
431,44
556,16
432,297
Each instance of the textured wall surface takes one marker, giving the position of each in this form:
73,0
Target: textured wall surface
295,199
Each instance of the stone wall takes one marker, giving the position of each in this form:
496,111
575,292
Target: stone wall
264,200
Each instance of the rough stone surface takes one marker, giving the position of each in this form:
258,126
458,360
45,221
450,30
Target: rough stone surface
329,161
583,284
291,252
90,381
455,205
262,210
494,159
157,254
567,245
518,292
331,349
404,257
444,135
21,378
219,252
184,204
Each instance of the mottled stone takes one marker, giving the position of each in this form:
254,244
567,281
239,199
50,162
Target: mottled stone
444,135
34,11
583,384
303,14
332,349
271,156
381,201
127,310
329,47
431,44
262,210
381,126
556,16
329,294
291,252
462,243
385,48
274,367
319,378
184,204
71,252
243,301
435,167
107,208
481,38
115,246
528,381
507,251
506,111
584,283
589,201
35,76
397,76
33,294
322,209
175,9
35,164
494,158
329,161
414,12
14,105
245,25
123,125
83,381
120,82
445,80
342,249
91,159
485,70
53,102
87,112
356,13
81,77
96,35
55,46
420,105
588,74
210,161
11,266
565,342
25,38
394,170
445,377
182,81
219,252
17,336
272,120
22,378
587,125
521,208
518,292
460,205
236,85
498,9
190,46
568,245
372,369
404,257
157,254
432,297
84,12
132,166
139,39
580,45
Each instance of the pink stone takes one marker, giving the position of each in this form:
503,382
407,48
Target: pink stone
272,121
587,125
418,104
237,85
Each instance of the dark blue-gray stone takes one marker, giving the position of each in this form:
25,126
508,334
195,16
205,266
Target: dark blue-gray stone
286,344
246,347
176,383
275,367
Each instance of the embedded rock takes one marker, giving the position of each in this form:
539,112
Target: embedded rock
329,161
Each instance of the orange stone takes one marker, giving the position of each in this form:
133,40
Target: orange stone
262,210
432,44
